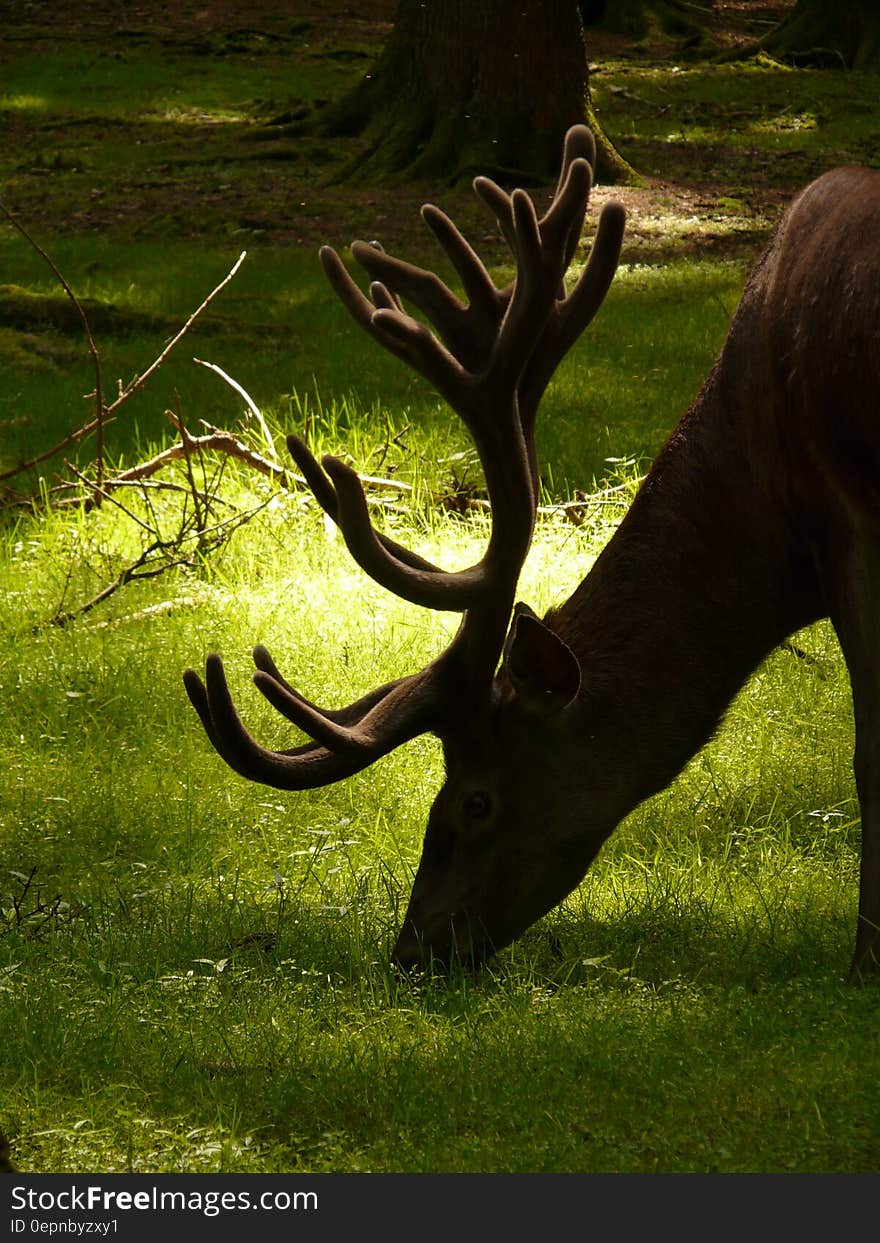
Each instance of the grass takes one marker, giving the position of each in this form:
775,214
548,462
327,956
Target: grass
760,121
193,970
213,990
281,333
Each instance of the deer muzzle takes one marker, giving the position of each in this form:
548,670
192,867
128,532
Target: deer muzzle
441,944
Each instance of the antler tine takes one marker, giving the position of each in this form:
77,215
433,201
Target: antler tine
579,145
471,331
479,393
421,286
468,330
300,768
479,288
310,719
325,494
336,728
409,340
454,591
341,716
386,718
575,311
562,223
539,273
488,346
340,492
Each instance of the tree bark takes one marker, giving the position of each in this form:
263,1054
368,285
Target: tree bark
845,35
474,86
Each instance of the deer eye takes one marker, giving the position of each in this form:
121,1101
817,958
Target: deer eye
477,806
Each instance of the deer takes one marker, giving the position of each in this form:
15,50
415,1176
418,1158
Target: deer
760,516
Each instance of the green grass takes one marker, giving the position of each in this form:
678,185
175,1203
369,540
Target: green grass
761,123
281,333
164,77
196,976
213,991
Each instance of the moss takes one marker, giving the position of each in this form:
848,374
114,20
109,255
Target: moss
22,309
28,351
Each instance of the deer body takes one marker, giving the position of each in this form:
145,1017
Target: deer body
761,515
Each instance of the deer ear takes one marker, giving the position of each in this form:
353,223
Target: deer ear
541,668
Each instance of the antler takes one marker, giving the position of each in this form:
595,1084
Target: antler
491,358
471,330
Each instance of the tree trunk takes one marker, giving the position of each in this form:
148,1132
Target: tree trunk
474,86
845,35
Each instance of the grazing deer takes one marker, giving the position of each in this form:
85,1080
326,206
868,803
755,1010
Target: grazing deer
761,515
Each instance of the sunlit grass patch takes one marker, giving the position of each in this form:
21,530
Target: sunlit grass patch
23,101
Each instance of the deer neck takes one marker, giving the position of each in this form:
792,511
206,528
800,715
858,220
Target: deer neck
706,574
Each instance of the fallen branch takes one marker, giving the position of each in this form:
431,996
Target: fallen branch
186,533
225,443
215,441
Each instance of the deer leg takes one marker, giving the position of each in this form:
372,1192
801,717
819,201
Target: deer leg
866,959
857,622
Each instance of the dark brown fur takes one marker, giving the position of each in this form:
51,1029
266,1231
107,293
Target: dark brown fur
761,515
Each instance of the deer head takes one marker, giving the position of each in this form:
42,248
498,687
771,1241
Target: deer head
488,869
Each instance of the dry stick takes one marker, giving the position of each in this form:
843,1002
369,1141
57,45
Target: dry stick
216,440
249,401
98,423
185,438
71,439
103,494
224,442
110,485
124,576
135,570
27,881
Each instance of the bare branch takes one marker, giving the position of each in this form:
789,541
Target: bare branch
140,380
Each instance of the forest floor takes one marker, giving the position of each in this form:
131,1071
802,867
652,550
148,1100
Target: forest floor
186,167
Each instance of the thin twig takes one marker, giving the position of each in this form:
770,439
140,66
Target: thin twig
125,576
140,380
100,412
104,494
177,420
72,438
208,538
248,400
105,413
219,441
